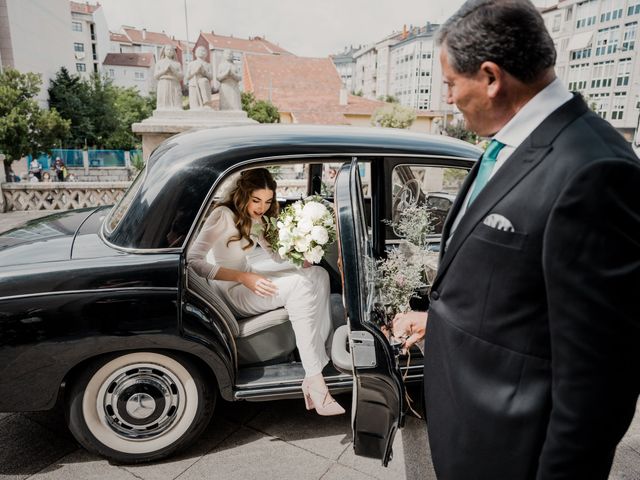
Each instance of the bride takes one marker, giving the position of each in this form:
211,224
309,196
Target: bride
231,232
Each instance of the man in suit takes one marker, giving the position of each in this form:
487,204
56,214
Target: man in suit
533,329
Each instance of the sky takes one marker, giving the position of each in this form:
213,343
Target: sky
309,28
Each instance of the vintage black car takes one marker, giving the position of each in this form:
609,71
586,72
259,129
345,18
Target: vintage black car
99,310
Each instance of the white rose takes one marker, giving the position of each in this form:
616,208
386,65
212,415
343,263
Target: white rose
302,243
284,236
314,211
282,251
319,235
288,219
305,225
314,255
297,208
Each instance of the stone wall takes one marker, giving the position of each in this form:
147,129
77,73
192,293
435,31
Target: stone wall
59,195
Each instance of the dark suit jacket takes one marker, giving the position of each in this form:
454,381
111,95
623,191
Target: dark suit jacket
533,336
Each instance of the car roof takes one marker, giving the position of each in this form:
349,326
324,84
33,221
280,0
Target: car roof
182,170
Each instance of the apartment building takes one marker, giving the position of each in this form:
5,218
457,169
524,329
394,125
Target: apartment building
90,36
346,65
596,41
415,73
36,36
133,69
371,77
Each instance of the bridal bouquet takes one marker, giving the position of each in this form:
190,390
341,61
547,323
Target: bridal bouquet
302,231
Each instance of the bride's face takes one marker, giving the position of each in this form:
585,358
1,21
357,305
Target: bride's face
259,203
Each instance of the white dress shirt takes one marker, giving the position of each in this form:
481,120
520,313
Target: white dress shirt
521,125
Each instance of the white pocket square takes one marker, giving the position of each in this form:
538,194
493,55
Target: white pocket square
499,222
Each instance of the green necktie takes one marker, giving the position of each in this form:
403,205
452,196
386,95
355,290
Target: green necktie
486,167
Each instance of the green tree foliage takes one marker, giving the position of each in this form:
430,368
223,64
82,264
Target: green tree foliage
459,130
25,128
388,99
101,114
393,115
261,111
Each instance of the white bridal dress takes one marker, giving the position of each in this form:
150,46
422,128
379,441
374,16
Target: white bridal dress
303,292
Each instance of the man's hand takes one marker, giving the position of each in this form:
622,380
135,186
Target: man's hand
410,327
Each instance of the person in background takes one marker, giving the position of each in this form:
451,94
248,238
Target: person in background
59,169
531,345
35,168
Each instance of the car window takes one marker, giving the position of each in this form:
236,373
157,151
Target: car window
434,187
122,206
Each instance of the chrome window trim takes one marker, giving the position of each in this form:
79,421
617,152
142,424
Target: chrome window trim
92,290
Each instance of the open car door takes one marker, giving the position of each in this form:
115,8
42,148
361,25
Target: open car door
378,389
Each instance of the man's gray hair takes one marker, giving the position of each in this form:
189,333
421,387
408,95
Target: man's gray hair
510,33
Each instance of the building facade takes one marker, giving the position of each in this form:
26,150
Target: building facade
131,70
90,36
415,73
36,36
597,41
346,65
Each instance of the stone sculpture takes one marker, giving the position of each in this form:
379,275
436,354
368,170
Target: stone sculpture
229,77
168,72
199,75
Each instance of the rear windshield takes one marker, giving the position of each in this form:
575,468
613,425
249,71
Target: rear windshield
117,213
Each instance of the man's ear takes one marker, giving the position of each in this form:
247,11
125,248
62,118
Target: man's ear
494,78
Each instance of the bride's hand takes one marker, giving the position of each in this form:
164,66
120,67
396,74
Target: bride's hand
261,286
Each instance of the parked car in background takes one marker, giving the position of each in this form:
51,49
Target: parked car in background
99,310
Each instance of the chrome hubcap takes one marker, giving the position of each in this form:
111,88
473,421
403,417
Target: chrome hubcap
140,401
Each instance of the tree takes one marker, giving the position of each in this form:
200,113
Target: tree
101,113
393,115
130,108
388,99
459,130
261,111
25,128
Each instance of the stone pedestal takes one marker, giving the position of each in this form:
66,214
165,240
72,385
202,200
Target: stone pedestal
166,123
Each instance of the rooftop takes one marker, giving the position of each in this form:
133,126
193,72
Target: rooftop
257,45
129,59
78,7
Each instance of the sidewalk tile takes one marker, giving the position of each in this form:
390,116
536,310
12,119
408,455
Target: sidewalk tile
27,447
291,422
340,472
626,465
217,431
248,454
82,464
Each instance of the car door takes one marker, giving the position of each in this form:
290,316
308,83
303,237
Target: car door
378,393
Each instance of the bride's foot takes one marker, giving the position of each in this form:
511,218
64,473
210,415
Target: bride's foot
316,395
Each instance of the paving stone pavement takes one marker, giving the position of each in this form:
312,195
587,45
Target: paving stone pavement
260,441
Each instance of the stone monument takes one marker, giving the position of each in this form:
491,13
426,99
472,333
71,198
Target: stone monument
199,75
169,118
229,77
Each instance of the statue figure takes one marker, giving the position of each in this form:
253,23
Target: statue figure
199,75
168,72
436,126
229,76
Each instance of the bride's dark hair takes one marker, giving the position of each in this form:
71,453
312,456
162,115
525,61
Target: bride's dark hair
238,199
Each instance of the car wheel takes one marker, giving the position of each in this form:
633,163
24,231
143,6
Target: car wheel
139,407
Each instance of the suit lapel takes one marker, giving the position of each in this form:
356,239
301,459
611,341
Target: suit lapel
521,162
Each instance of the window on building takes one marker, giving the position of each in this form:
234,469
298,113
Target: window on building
112,73
78,47
611,10
139,75
568,14
557,20
617,109
629,36
602,74
584,53
586,13
633,8
578,75
76,26
607,40
624,72
81,67
600,103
